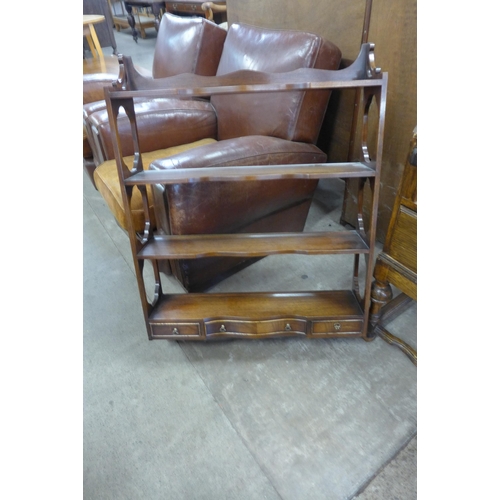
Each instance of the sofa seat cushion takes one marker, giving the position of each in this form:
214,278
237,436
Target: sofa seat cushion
108,184
226,207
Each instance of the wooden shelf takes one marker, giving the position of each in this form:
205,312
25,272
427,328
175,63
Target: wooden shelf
252,245
257,315
206,316
256,172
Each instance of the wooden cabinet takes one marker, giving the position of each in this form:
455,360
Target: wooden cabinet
215,11
392,26
396,265
308,314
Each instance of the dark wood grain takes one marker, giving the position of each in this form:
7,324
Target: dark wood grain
361,73
393,30
396,265
252,173
338,313
257,306
253,245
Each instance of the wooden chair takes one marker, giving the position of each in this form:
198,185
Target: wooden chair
120,18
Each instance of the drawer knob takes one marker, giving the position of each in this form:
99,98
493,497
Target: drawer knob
337,326
222,328
175,331
288,327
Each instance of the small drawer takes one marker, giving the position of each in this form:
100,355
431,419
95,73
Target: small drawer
241,328
337,327
175,330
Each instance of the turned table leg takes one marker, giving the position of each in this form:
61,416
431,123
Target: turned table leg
156,7
381,294
131,20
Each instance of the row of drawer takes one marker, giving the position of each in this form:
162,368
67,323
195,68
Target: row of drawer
266,328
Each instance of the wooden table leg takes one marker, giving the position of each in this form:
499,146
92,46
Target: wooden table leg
91,45
157,13
131,20
95,41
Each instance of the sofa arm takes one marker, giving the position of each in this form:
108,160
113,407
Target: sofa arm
226,207
161,123
93,85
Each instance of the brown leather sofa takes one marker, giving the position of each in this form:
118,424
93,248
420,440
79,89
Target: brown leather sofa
245,130
183,45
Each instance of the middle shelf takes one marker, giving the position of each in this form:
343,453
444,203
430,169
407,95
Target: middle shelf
252,245
252,173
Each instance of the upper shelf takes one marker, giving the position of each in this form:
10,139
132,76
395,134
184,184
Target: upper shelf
361,73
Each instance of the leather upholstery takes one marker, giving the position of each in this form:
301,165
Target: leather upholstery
252,129
300,113
183,45
108,184
274,128
227,207
93,85
162,123
187,45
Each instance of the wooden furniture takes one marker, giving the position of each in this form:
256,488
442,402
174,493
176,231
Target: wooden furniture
118,14
90,34
397,264
210,7
393,28
104,30
198,316
268,128
108,65
121,17
174,53
155,6
213,11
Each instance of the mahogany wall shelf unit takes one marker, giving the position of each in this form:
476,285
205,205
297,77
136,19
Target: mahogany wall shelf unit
256,315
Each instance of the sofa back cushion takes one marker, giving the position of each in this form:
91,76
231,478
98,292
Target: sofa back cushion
296,115
187,45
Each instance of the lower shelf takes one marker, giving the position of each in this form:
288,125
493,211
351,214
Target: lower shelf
257,316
